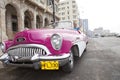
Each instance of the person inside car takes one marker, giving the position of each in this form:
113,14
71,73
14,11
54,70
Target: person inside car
76,27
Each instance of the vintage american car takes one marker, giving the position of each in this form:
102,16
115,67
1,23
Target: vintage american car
46,49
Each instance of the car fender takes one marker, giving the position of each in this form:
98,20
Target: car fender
81,47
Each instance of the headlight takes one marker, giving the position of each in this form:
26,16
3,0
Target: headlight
2,46
56,41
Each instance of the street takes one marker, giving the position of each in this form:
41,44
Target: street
101,61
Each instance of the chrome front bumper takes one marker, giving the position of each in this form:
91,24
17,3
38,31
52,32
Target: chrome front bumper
63,59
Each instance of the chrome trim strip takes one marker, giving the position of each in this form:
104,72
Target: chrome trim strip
19,65
35,65
4,57
3,50
54,57
36,57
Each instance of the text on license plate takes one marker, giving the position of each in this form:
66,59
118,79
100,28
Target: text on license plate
49,65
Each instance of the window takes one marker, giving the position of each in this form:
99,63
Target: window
14,17
14,26
63,8
49,2
73,1
42,1
63,18
63,13
74,11
74,16
14,23
62,3
59,9
68,12
68,17
67,7
73,6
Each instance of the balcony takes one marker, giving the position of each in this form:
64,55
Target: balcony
39,3
42,4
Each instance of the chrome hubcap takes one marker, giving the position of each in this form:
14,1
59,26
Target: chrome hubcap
71,59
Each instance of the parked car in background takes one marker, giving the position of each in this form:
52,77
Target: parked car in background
118,35
47,49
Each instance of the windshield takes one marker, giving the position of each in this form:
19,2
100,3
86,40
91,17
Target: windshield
63,25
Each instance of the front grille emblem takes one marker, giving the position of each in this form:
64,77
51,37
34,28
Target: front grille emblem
20,39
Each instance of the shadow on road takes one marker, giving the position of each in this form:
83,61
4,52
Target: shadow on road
31,74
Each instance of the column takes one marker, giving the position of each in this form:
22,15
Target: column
3,25
21,20
21,16
34,20
43,20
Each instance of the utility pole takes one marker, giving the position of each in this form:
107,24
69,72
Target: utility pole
53,3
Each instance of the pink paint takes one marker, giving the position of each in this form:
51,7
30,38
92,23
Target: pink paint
43,36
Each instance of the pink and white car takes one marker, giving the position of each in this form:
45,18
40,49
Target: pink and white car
47,49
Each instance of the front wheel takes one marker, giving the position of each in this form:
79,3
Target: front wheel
69,66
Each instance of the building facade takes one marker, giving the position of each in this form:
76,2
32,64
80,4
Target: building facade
68,10
101,32
16,15
84,25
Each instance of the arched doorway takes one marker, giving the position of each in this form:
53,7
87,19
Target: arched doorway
11,21
39,21
28,17
46,22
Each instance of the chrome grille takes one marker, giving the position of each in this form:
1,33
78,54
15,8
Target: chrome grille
26,52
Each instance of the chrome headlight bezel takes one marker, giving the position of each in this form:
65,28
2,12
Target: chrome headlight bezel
56,41
3,46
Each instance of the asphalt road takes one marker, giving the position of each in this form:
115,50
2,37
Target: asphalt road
101,61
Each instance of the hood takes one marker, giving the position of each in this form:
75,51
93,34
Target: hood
43,36
39,36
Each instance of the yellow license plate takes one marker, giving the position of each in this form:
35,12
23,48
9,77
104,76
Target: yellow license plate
49,65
